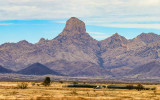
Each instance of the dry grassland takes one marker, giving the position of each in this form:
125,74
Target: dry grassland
57,91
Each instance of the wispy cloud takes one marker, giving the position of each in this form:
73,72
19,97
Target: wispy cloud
146,26
93,12
98,35
61,21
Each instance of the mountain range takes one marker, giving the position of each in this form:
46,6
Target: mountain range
75,53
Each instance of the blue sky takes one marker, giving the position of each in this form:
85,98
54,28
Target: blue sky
33,19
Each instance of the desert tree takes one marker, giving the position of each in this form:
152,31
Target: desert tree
47,81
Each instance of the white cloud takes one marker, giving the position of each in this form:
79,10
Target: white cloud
94,12
98,35
149,2
152,26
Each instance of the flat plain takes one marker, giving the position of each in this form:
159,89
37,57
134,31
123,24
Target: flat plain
59,91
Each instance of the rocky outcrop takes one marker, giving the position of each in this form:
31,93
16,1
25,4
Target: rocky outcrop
149,37
113,42
74,26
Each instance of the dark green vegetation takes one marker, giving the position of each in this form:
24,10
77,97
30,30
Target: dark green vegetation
47,81
86,86
138,87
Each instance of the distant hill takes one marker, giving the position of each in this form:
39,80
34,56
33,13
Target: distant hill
5,70
37,69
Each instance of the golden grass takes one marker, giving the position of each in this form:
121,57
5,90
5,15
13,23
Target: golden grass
57,91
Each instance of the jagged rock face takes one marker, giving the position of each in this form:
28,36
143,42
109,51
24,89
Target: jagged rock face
135,43
111,48
128,54
72,45
152,50
16,54
74,26
149,37
74,52
114,41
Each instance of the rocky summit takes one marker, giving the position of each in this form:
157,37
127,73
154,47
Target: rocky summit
75,53
74,26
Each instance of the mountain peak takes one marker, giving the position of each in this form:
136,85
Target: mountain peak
116,34
42,40
119,37
23,42
149,37
114,41
74,26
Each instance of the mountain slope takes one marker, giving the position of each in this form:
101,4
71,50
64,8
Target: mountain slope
37,69
148,70
16,55
4,70
121,55
73,44
111,47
